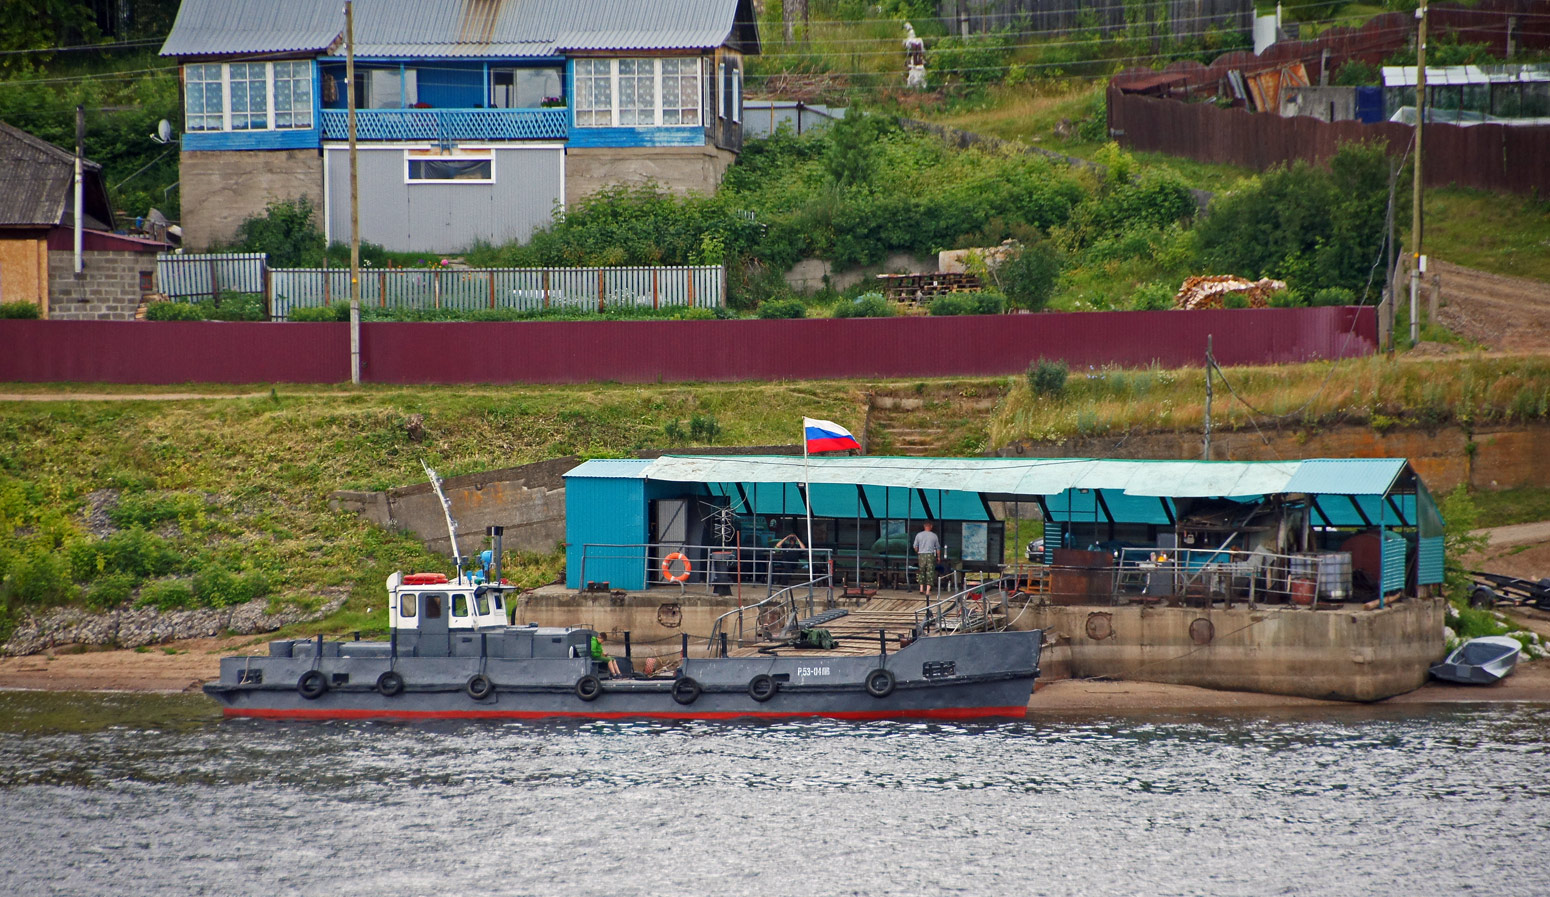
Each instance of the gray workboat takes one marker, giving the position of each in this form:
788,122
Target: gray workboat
451,654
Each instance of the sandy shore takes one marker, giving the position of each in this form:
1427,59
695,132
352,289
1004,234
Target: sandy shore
184,666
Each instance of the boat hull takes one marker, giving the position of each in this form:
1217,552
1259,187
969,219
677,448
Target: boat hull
981,675
1480,661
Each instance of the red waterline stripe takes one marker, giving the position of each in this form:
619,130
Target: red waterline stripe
1015,710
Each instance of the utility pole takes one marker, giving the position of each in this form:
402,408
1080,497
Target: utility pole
80,182
1210,363
355,203
1419,268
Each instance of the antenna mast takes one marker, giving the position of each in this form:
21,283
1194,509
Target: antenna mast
446,511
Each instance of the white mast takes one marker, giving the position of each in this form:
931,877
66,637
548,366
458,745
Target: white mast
446,511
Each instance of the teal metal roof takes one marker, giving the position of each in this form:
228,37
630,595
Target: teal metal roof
611,468
1346,476
1045,476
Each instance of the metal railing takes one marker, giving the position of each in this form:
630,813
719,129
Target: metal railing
521,289
1212,575
966,610
714,565
448,125
777,614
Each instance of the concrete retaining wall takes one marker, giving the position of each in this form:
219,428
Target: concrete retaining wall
529,501
1347,655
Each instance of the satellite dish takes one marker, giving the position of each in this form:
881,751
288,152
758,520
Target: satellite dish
163,131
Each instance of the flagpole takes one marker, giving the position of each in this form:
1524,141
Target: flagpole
807,499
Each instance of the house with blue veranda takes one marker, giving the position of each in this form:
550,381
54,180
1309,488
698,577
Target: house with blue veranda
475,119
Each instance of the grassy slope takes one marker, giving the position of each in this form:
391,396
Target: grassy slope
1501,233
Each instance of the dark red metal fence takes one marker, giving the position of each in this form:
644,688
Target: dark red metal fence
651,351
1490,157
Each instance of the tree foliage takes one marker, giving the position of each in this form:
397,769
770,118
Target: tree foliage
1310,226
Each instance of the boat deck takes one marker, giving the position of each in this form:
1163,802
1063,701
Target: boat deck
895,613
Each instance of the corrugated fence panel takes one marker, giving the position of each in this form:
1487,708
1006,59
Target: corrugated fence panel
524,289
649,351
196,275
1488,156
174,352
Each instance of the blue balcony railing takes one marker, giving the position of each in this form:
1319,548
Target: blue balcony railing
443,125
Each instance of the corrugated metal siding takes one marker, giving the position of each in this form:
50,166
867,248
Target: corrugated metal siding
1429,559
605,510
439,218
1395,553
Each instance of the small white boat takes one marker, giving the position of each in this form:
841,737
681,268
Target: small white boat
1480,661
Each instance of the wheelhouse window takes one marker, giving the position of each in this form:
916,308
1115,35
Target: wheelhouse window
481,603
460,605
460,169
637,92
406,605
247,96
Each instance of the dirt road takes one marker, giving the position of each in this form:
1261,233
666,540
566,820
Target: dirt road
1507,314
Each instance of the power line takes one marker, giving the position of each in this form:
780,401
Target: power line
80,47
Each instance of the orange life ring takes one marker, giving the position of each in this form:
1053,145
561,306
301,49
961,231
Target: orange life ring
667,567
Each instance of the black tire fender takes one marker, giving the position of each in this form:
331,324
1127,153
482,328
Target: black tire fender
479,687
686,690
589,687
879,683
762,687
312,684
390,684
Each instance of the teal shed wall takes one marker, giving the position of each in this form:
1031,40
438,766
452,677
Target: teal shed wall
605,510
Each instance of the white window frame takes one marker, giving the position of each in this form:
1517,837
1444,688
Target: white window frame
466,154
612,108
269,109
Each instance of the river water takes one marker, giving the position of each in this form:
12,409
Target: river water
127,795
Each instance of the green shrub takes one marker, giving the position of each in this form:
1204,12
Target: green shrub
1048,378
166,594
236,307
338,311
867,305
287,232
952,304
1235,300
110,591
1334,296
1152,297
133,551
149,509
174,311
1030,277
1356,73
218,587
39,577
15,310
704,428
783,308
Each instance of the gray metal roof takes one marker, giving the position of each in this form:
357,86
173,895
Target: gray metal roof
610,469
1042,476
37,181
460,28
255,26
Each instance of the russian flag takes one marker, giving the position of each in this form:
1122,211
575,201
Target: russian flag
827,436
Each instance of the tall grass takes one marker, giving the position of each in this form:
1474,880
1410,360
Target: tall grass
1372,391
